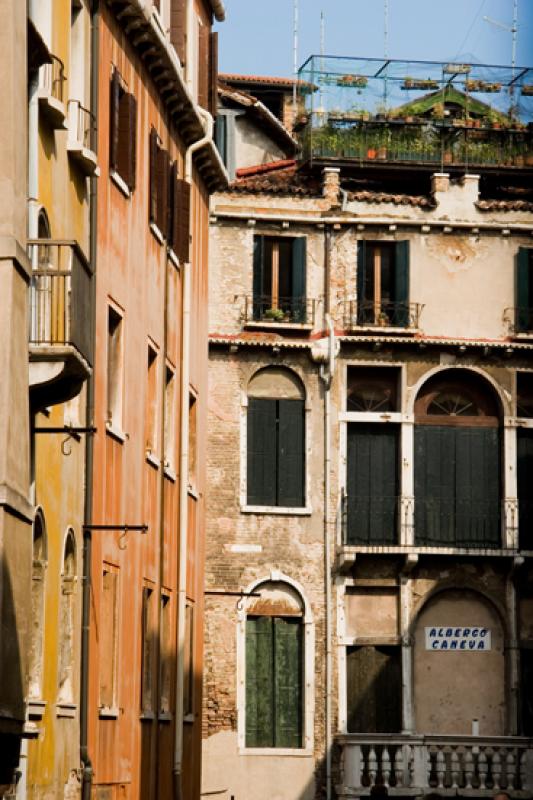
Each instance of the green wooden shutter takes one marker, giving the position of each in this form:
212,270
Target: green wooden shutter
434,485
291,453
299,279
259,682
372,484
477,487
525,484
261,446
288,682
361,280
259,302
524,314
114,102
401,284
374,689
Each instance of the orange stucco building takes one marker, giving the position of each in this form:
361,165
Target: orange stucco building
145,539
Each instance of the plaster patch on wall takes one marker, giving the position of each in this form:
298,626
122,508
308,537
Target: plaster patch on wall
456,252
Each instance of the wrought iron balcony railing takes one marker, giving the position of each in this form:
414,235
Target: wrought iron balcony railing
60,297
519,320
440,763
53,78
368,314
383,521
282,310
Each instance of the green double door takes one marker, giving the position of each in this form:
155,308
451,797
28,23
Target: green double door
457,486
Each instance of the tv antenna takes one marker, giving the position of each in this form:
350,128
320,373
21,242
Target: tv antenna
295,54
512,29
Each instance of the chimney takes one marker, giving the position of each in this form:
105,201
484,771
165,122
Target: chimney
331,186
440,182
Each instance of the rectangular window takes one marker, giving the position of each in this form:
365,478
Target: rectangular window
169,445
179,201
159,183
193,443
279,279
164,654
274,682
122,131
276,452
177,27
114,368
151,422
383,284
108,641
524,290
372,483
374,689
147,651
188,661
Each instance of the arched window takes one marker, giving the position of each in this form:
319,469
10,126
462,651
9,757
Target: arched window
276,439
457,462
275,667
66,621
37,605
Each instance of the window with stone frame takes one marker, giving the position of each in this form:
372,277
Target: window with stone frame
122,131
374,689
383,283
66,622
279,279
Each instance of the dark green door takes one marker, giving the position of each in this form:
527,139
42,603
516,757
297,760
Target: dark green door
372,484
374,689
457,486
525,484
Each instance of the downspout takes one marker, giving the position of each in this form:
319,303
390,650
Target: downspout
87,767
184,471
327,371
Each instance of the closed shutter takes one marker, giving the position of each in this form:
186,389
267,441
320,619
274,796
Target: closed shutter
372,484
162,171
203,66
291,453
177,28
401,285
288,682
361,280
259,682
374,689
525,484
213,73
126,157
114,102
153,176
261,446
477,489
524,314
172,235
183,221
526,692
259,302
434,485
299,279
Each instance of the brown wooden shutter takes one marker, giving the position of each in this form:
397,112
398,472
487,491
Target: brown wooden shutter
177,28
127,139
213,73
153,177
203,67
114,102
172,236
184,211
162,189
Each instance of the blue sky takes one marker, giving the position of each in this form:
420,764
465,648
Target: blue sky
257,36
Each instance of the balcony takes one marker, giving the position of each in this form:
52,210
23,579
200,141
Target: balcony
389,317
51,92
264,312
519,322
403,525
60,335
81,125
425,115
448,765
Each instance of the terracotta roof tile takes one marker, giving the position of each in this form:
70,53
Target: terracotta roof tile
258,169
505,205
421,201
278,178
267,80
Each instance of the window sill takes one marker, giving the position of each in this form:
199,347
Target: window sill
120,183
287,325
189,718
66,710
106,712
152,459
115,432
36,708
297,512
193,492
170,473
173,257
292,752
165,716
157,233
381,330
147,716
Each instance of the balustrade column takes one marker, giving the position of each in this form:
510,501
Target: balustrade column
407,655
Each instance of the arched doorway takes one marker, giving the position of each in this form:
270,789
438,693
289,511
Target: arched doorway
459,680
457,462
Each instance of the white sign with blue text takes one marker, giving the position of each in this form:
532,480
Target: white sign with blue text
471,639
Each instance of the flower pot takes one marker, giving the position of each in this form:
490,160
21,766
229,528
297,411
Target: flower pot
371,153
382,153
447,157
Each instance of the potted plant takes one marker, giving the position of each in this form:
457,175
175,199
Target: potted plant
383,319
275,314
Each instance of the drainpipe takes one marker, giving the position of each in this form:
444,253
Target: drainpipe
184,471
87,767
